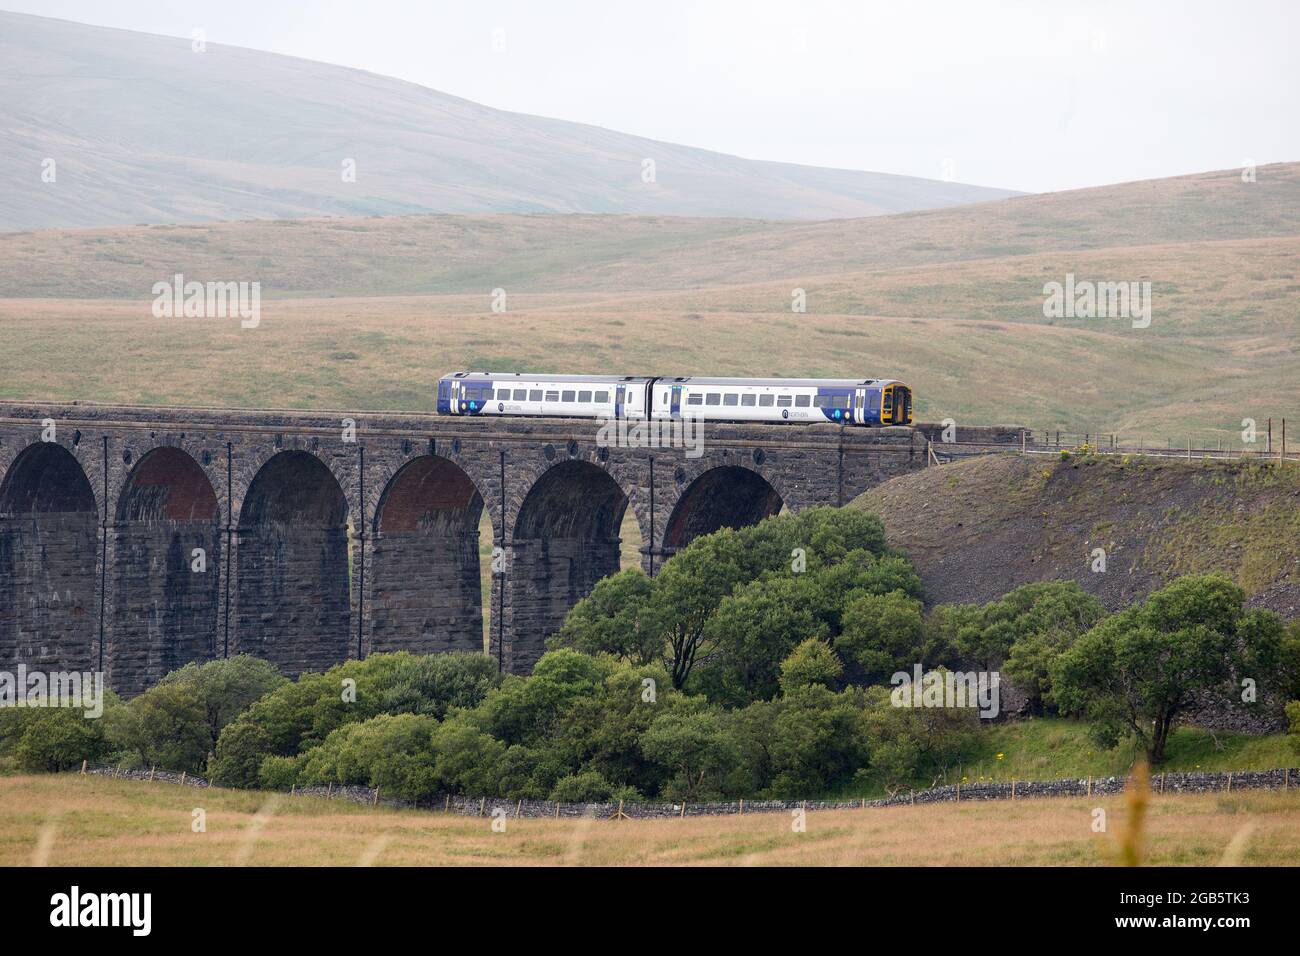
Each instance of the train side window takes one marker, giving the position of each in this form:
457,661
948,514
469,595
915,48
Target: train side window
748,400
821,401
602,397
731,398
535,395
695,398
567,396
503,394
521,394
839,401
766,401
584,396
713,398
802,401
783,401
552,396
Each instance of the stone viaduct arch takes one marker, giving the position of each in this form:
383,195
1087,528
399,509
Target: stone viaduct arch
324,542
293,565
168,549
427,592
49,540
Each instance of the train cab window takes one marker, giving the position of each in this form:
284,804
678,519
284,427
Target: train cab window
602,397
713,398
784,401
766,401
552,396
802,401
731,398
695,398
839,401
821,401
584,396
567,396
748,400
521,395
535,395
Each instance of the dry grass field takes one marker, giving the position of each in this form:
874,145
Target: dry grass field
72,820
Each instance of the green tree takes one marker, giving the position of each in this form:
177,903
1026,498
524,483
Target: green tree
751,631
586,787
433,684
1046,618
911,742
166,726
883,633
225,688
613,619
817,742
394,752
50,739
812,663
697,753
1139,670
241,748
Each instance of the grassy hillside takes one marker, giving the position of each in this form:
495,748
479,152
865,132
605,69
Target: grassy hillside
438,255
366,313
72,820
144,129
978,528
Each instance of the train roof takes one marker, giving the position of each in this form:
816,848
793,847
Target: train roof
530,377
678,380
795,382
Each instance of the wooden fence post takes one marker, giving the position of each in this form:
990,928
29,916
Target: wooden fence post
1090,785
151,772
742,806
1013,788
182,778
83,767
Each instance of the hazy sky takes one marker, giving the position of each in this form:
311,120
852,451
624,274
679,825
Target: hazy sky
1033,96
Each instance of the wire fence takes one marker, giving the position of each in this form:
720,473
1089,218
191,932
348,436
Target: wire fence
1270,442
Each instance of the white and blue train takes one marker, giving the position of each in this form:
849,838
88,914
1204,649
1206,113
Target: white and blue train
871,401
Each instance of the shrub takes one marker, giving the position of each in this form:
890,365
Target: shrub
166,726
587,787
812,663
225,688
278,773
50,739
241,749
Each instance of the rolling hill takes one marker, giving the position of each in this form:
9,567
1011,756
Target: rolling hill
364,313
144,129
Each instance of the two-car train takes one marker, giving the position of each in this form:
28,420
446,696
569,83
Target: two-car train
872,401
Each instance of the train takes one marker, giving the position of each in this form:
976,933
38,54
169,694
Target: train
870,402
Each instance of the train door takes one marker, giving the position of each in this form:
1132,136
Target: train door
455,398
860,406
620,393
676,405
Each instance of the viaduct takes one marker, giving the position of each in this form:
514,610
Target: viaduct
136,539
